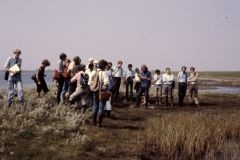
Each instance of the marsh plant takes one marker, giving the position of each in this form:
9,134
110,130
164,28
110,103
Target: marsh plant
40,121
190,136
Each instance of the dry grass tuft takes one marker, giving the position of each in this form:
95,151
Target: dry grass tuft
190,136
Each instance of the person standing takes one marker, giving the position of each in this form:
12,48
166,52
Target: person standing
14,77
137,80
193,86
168,86
38,78
60,81
118,75
99,80
66,80
129,75
182,85
158,85
146,79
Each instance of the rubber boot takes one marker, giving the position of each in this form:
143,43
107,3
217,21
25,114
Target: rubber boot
100,118
166,101
171,102
196,101
94,119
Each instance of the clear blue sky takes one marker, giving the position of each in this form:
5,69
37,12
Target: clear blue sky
159,33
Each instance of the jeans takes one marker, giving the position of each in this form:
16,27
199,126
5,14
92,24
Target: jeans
142,90
10,89
66,85
129,85
98,106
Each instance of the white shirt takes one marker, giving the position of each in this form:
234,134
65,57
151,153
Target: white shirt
137,77
157,79
90,74
168,78
103,77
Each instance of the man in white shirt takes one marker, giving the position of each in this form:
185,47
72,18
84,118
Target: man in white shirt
168,86
118,75
128,76
182,85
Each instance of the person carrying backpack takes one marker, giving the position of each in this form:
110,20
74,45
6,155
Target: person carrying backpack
82,89
99,83
38,78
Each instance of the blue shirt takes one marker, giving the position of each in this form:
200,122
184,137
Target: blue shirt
182,77
146,83
11,61
60,66
118,72
129,73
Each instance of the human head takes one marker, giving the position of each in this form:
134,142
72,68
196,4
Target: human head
184,68
79,68
129,66
62,56
157,71
137,70
77,60
110,65
67,62
91,66
192,69
91,60
102,64
46,63
168,70
17,53
144,68
119,64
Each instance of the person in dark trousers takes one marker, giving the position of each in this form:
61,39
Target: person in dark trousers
39,78
118,75
60,81
137,80
129,75
182,85
146,78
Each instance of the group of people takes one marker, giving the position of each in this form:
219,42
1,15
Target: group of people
100,81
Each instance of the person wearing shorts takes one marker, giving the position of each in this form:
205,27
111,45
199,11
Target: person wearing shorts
193,86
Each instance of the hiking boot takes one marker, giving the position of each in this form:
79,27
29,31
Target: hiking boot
100,119
94,119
